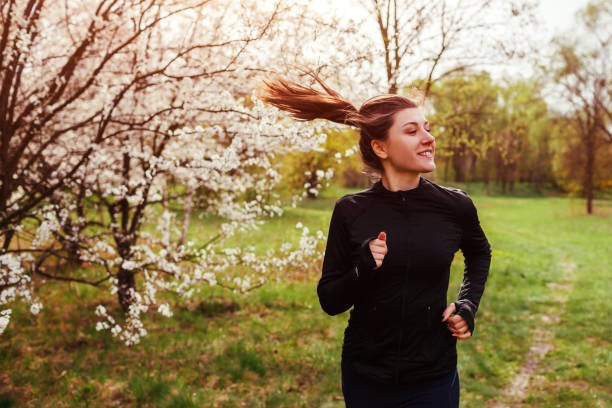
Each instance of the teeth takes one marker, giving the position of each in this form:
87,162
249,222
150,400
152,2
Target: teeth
426,154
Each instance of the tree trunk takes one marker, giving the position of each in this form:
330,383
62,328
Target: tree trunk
312,180
590,170
187,213
126,283
447,164
486,171
473,169
458,163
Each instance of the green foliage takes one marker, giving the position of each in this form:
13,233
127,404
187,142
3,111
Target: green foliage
486,130
465,111
569,159
338,157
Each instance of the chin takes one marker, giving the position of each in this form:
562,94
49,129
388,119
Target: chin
428,169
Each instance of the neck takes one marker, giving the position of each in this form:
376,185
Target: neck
404,181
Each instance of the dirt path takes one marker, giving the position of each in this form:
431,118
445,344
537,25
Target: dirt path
515,392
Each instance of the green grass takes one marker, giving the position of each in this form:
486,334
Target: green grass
275,347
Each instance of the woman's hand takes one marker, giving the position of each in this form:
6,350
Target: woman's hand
378,247
456,324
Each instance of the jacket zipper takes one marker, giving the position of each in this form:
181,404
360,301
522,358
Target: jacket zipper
399,344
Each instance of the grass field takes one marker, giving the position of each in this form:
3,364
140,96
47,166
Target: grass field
550,273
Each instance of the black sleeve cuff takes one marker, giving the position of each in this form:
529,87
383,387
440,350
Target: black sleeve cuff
464,310
366,263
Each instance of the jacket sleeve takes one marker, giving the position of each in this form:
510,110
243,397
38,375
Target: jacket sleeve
343,278
477,253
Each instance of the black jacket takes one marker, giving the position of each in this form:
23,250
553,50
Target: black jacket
395,332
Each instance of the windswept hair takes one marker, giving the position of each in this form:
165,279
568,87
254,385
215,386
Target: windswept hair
373,118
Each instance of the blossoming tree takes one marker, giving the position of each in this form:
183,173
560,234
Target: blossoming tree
117,112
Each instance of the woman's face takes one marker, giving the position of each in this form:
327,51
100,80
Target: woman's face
409,147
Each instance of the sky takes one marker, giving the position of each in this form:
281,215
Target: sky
558,14
554,16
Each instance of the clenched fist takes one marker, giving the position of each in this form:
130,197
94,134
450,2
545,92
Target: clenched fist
378,247
455,323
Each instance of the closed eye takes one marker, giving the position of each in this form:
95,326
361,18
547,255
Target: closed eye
412,132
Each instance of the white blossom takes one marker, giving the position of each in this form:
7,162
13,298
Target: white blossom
5,317
35,308
164,309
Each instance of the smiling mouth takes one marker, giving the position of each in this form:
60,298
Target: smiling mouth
428,155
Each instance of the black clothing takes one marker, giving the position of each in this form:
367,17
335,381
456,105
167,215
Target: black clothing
395,332
438,392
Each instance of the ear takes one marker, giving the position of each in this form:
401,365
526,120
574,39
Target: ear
380,148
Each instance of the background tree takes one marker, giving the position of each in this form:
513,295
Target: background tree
582,72
64,82
521,151
464,120
313,170
149,111
434,39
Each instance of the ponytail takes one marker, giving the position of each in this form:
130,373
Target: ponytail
305,103
373,118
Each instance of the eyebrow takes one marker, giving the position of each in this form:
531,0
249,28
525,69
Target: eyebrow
415,123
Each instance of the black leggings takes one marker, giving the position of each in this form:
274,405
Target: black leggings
440,392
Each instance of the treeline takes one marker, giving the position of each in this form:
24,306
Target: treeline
506,133
500,132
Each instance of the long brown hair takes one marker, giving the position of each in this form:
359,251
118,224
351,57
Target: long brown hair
373,118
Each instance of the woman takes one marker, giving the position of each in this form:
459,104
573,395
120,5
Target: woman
389,252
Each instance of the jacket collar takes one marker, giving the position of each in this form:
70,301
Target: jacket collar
381,189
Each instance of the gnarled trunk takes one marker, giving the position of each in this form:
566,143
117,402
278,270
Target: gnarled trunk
126,283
